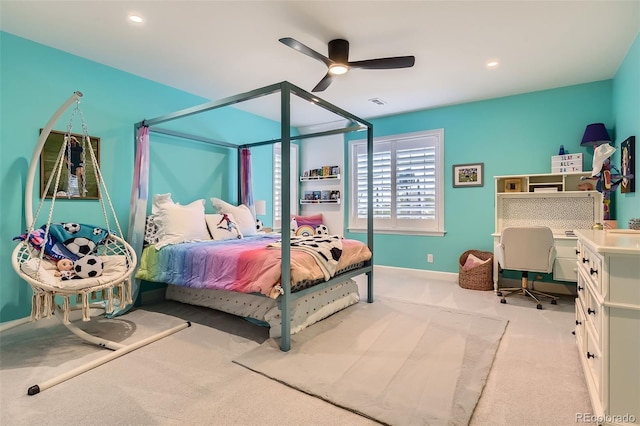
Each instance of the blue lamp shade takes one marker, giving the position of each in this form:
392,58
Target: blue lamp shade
595,134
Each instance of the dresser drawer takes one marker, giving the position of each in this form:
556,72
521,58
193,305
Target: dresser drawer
593,315
580,327
591,265
593,357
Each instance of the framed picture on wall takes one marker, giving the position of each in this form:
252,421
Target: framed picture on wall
77,174
468,175
628,165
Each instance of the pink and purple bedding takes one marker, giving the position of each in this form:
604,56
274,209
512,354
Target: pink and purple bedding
243,265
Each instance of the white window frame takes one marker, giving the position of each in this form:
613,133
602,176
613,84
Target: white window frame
430,138
293,176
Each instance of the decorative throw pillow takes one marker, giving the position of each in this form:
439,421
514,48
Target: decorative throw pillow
305,231
222,226
322,229
150,230
473,261
313,221
181,224
159,200
244,218
308,225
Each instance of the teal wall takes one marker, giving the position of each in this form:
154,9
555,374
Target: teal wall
35,80
626,112
516,134
510,135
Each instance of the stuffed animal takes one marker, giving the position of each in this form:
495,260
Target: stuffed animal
65,269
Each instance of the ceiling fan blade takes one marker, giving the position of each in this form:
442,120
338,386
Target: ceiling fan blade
295,44
385,63
323,84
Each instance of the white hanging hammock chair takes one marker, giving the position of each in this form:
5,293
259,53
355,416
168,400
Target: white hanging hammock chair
119,258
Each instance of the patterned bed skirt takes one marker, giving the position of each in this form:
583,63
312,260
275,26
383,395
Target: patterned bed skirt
305,310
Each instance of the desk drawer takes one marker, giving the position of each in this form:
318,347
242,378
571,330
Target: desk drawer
565,269
566,248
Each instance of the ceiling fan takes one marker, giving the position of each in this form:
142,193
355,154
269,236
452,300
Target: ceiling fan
338,60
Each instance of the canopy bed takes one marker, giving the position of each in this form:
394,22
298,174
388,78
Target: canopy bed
286,299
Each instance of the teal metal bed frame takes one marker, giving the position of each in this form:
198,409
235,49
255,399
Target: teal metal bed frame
286,90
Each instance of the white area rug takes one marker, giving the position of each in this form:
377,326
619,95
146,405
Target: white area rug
396,362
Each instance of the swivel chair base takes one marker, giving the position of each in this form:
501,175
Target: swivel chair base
526,291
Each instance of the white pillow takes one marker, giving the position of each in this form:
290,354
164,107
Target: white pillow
244,218
159,200
181,224
221,229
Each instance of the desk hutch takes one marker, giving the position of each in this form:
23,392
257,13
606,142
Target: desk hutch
552,200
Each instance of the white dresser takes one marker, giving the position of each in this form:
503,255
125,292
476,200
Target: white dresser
608,322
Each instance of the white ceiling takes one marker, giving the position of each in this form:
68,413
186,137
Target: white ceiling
216,49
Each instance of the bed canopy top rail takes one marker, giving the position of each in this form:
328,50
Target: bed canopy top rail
216,142
286,89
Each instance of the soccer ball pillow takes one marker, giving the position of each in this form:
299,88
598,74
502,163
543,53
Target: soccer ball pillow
88,267
322,229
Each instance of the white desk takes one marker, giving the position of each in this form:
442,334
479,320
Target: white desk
564,266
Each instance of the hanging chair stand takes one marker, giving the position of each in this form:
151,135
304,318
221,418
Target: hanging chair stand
116,287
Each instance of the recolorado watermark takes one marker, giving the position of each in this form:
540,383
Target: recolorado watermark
606,418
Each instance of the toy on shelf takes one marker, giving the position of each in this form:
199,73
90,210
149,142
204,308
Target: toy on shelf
607,177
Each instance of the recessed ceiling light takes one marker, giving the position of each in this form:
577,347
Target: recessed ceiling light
492,64
135,18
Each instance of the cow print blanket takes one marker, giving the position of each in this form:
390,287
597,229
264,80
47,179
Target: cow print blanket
325,250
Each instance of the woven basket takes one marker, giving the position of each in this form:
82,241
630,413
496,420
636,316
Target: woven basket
480,277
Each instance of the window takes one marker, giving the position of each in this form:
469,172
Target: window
277,183
407,184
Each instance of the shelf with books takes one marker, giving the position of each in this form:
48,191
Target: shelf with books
320,201
326,196
313,178
321,173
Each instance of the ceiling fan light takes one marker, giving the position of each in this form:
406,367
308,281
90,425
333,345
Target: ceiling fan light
338,69
135,18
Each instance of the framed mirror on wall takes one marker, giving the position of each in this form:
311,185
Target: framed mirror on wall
77,176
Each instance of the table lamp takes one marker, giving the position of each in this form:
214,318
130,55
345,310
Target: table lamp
594,135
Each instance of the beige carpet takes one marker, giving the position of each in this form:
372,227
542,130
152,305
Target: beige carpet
395,362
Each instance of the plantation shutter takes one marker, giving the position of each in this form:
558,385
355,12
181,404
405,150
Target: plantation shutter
406,183
277,187
277,184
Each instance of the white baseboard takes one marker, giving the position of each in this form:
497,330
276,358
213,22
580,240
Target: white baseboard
547,287
421,273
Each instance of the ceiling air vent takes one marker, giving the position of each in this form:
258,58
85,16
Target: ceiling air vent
377,101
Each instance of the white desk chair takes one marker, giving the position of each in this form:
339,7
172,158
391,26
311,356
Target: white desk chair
526,249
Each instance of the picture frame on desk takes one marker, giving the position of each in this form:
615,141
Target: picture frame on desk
468,175
513,185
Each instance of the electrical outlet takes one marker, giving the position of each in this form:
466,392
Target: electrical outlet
430,258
